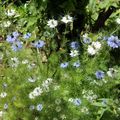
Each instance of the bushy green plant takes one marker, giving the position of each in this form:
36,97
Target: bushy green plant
46,75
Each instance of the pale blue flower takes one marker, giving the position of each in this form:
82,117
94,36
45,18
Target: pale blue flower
39,44
99,74
15,34
77,101
76,64
87,40
113,41
17,45
39,107
27,36
64,65
74,45
10,39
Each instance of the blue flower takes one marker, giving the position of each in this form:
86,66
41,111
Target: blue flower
113,41
99,74
76,64
15,34
17,45
27,36
87,40
64,65
39,107
39,44
10,39
74,45
77,102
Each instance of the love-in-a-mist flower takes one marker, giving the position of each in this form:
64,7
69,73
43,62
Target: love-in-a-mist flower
5,106
67,19
39,107
25,61
76,64
10,39
3,94
6,24
52,23
74,45
27,35
15,34
17,45
14,62
37,91
113,41
74,53
31,95
96,45
118,21
99,74
111,72
39,44
10,12
86,39
91,50
77,101
32,79
64,65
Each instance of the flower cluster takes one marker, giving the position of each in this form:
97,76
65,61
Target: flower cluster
52,23
39,90
94,48
39,107
75,101
89,95
13,40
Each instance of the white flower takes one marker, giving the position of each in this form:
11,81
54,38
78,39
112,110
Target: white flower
67,19
1,113
85,110
111,72
10,12
25,62
14,62
6,23
71,100
118,20
37,91
74,53
96,45
31,95
31,66
3,94
52,23
85,35
91,50
32,79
